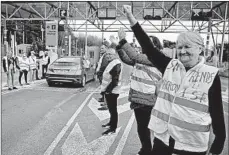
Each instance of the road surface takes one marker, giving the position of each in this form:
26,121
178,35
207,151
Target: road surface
64,120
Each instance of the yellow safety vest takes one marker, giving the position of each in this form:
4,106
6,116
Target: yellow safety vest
143,84
181,109
107,78
23,64
45,60
33,62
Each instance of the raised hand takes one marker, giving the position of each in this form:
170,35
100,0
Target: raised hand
127,9
121,33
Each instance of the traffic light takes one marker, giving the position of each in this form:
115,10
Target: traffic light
62,13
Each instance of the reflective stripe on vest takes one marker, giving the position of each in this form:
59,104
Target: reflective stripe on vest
142,98
184,102
33,64
24,64
179,123
148,71
149,82
107,77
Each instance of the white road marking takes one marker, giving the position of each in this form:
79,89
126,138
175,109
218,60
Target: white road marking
122,141
63,131
77,144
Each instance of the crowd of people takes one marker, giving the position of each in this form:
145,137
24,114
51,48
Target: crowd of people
178,99
27,64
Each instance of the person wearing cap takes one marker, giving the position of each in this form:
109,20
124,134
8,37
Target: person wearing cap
189,100
9,68
143,83
45,62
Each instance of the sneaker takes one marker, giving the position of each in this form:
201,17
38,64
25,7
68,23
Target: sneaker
108,132
27,84
9,88
103,108
106,125
101,100
14,87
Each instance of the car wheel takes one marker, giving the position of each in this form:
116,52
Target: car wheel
50,84
83,82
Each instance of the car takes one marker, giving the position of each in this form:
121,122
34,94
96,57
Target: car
70,69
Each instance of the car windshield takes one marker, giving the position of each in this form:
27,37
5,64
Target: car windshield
67,62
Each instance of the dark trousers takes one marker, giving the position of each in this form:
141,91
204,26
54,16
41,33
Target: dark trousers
44,70
25,72
37,74
159,148
112,106
142,116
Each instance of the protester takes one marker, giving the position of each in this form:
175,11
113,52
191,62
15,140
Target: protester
109,56
111,84
45,62
9,69
23,67
103,50
33,65
142,94
189,99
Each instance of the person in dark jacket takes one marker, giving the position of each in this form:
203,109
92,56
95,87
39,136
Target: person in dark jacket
111,85
142,94
173,131
9,68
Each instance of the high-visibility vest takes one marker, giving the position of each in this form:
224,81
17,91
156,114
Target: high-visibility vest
107,78
23,63
33,62
143,84
181,109
45,60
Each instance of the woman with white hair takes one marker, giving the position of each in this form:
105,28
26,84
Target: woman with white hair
189,100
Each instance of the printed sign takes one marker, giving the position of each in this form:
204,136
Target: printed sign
51,33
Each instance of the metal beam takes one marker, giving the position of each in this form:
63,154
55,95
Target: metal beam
16,6
171,8
92,6
218,5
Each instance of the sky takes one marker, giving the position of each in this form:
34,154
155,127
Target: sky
161,36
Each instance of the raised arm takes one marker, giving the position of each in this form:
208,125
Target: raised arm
153,54
124,57
131,52
122,54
